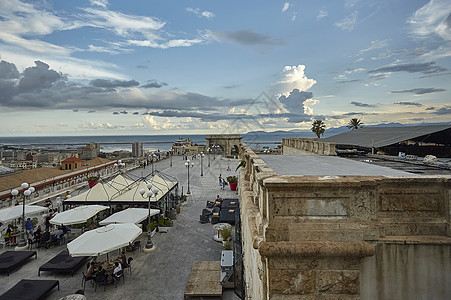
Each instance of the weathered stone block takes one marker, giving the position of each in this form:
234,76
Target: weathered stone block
292,281
338,282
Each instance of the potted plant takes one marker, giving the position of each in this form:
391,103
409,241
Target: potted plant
226,233
232,182
92,181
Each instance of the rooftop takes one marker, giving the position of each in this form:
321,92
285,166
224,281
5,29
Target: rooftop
326,165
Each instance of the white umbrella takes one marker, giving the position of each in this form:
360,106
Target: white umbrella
14,212
77,215
104,239
130,215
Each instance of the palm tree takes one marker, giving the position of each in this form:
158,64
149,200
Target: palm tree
354,124
318,127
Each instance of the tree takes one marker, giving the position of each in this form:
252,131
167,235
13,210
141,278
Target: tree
354,124
318,127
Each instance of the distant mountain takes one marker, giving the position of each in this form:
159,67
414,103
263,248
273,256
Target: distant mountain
303,133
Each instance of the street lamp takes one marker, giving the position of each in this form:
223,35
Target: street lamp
188,165
208,151
149,194
201,164
170,158
28,190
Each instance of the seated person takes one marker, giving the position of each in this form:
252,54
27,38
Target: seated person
218,198
117,269
56,236
7,235
91,272
123,259
45,239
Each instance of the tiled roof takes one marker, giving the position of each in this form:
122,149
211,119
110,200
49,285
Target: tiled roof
30,176
73,158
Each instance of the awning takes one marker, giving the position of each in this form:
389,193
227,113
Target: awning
130,215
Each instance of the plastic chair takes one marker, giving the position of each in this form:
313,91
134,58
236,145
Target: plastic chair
86,279
101,279
117,277
204,219
128,265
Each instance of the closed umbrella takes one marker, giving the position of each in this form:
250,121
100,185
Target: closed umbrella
14,212
104,239
130,215
77,215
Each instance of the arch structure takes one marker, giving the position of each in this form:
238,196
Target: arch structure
229,143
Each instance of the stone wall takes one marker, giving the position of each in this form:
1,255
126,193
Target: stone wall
307,146
314,237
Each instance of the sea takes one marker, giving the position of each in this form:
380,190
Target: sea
111,143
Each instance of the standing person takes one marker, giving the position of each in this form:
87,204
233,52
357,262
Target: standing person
220,180
223,184
29,227
47,223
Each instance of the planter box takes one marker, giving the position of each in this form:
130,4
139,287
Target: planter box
232,186
92,183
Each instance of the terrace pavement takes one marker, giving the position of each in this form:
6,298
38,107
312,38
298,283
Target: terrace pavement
163,273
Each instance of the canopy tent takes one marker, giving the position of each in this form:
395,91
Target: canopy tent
14,212
77,215
129,195
102,191
130,215
104,239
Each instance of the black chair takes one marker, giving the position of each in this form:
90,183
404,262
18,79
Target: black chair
117,277
128,265
204,219
216,209
210,204
86,279
206,212
101,279
137,245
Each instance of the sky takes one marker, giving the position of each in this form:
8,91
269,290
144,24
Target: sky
111,67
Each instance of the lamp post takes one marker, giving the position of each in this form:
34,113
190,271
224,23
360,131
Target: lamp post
188,165
208,151
201,164
170,158
28,190
149,194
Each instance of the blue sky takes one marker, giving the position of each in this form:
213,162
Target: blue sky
104,67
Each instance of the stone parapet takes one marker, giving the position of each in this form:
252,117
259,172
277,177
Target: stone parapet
307,146
308,236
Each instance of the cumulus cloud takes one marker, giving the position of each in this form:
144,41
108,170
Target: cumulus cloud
360,104
113,83
425,68
198,12
299,105
321,14
293,77
445,110
406,103
153,84
347,23
241,37
419,91
285,7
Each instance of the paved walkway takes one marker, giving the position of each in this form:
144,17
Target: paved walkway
163,273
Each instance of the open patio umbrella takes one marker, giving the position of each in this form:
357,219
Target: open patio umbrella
77,215
104,239
130,215
14,212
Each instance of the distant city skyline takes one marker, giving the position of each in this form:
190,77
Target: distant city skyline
102,67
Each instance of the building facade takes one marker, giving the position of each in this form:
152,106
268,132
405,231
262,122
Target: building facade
137,149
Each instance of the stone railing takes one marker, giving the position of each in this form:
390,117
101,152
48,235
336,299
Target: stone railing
303,146
315,235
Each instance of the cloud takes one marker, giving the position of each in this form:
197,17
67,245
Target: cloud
293,77
101,3
375,45
406,103
91,111
359,104
322,13
347,23
113,83
419,91
432,19
153,84
241,37
298,104
425,68
141,67
198,12
445,110
430,108
285,7
43,88
8,70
